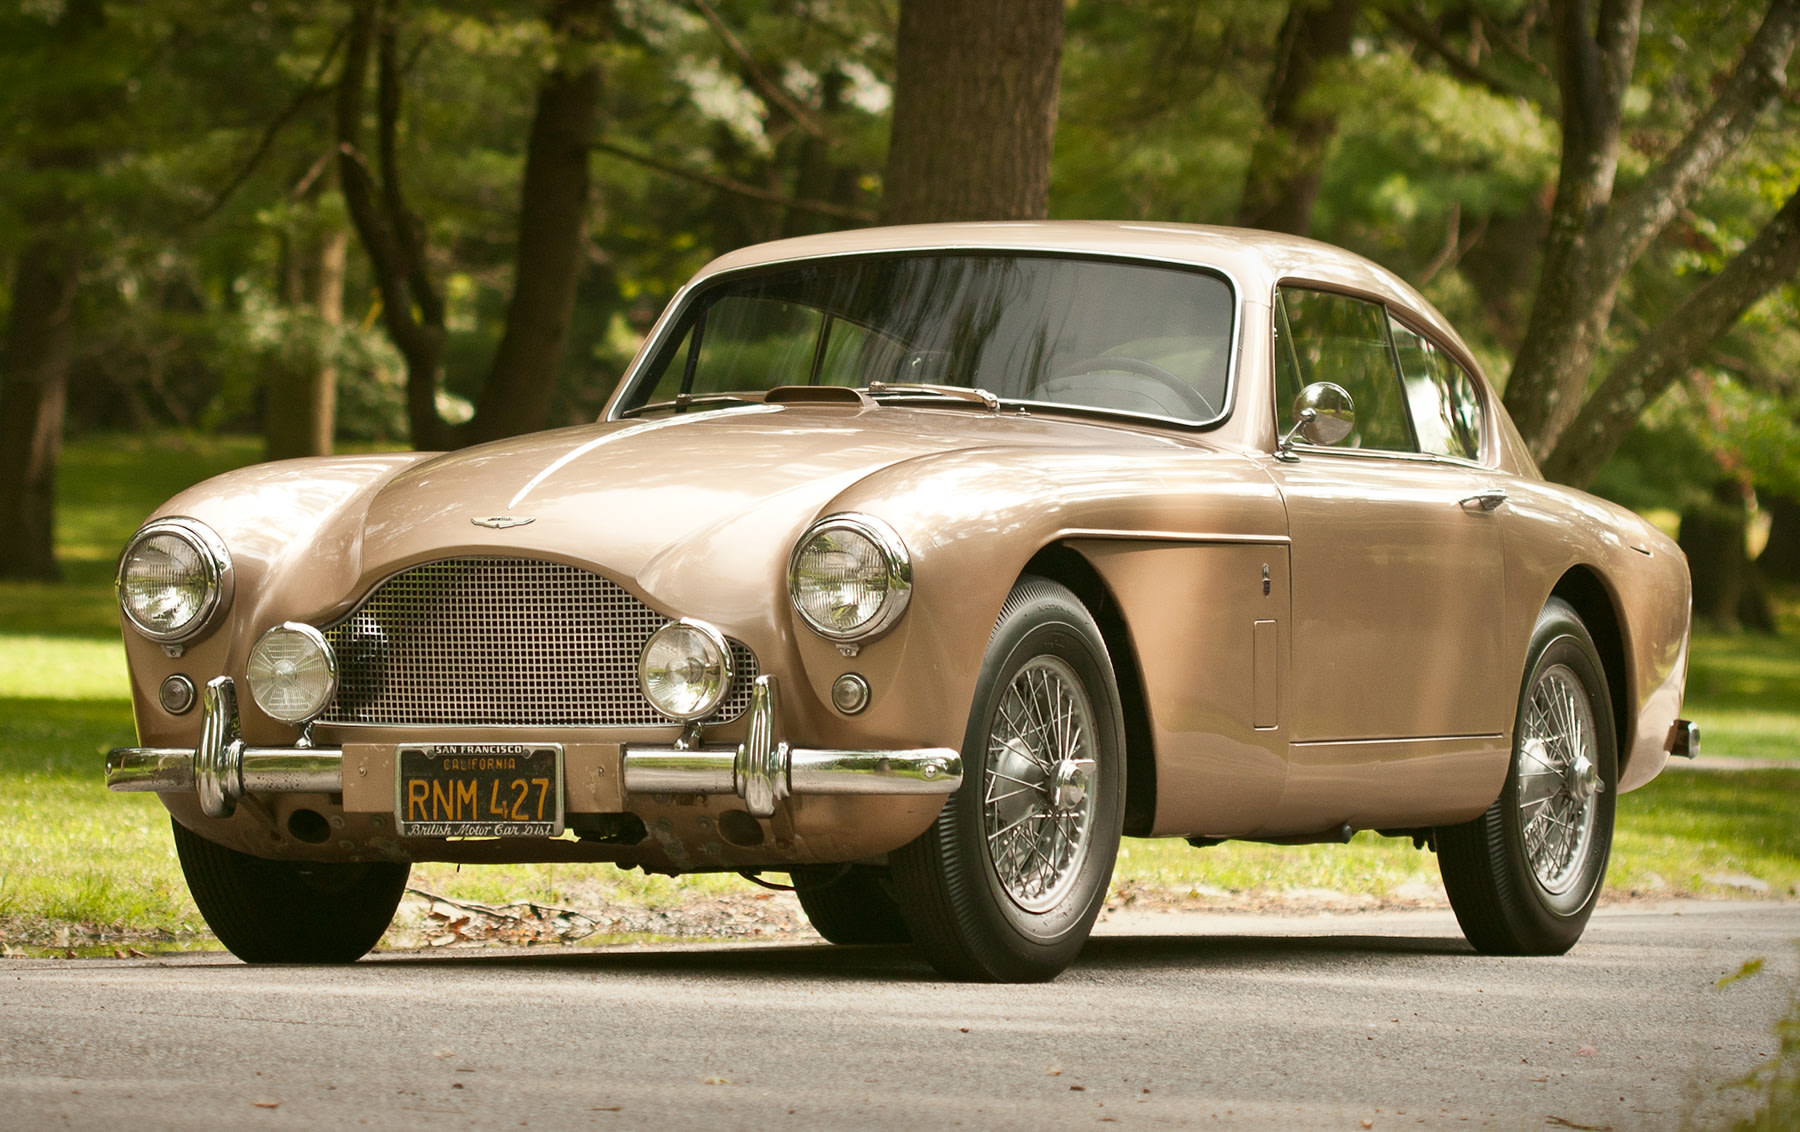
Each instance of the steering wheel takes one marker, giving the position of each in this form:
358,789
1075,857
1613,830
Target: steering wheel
1200,407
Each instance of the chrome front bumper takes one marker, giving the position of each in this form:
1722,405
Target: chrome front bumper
762,770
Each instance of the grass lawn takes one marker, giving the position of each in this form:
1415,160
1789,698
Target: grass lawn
83,868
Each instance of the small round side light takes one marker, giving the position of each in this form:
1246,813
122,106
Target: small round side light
176,694
850,693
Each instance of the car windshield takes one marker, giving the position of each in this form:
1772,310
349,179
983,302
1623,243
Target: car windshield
1120,337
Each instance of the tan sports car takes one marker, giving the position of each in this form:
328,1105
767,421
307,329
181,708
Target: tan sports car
920,564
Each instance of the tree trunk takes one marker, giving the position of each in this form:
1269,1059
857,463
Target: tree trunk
1712,536
1288,159
1674,346
974,110
552,210
1780,559
411,309
1595,239
553,203
1728,593
300,406
817,177
34,356
34,369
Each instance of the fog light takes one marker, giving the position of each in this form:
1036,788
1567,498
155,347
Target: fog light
850,693
685,669
292,673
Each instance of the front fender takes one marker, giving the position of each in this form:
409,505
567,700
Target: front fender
973,519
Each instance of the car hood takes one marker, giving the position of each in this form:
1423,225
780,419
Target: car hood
635,499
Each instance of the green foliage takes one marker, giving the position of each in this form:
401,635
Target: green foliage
1161,102
1776,1083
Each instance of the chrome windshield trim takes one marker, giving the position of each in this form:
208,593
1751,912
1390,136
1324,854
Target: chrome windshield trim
663,331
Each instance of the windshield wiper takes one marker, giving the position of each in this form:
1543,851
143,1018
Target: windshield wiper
685,400
953,392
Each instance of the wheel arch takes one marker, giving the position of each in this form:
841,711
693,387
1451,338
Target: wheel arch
1066,566
1589,596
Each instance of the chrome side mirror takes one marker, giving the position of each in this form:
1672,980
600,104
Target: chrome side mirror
1323,415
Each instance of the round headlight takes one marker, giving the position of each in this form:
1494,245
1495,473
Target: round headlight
685,669
850,577
292,673
174,577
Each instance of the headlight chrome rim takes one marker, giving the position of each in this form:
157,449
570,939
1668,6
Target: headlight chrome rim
726,669
897,575
215,560
264,694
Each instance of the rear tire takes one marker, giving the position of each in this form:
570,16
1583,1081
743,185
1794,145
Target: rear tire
1524,877
850,904
1006,884
287,911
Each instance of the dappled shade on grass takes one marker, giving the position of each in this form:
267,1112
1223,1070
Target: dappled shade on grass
1687,826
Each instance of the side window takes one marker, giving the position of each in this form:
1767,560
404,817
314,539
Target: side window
1446,409
1326,337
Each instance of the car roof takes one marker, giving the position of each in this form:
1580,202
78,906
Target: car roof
1255,259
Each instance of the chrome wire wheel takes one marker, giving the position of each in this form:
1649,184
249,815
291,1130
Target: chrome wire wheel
1524,877
1007,882
1037,808
1559,779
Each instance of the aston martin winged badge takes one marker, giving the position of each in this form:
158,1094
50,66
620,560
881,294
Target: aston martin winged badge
501,522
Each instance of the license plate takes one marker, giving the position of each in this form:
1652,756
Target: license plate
480,790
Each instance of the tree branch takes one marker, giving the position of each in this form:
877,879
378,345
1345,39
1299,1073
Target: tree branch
1672,348
1571,307
1755,85
402,221
420,342
771,90
306,94
739,188
1410,24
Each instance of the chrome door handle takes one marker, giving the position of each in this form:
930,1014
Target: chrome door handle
1487,500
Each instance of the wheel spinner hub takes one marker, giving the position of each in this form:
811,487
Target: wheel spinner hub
1070,784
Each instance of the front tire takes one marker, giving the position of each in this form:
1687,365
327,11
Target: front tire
267,911
1006,884
850,904
1524,877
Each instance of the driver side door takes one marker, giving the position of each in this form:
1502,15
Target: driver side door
1397,590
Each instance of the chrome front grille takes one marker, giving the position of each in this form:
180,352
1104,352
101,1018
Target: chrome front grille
474,641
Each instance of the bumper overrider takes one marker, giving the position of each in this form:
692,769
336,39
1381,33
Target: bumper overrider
762,770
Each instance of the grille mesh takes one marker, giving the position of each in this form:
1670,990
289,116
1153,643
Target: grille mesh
502,641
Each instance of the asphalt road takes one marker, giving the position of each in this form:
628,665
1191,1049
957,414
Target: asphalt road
1169,1020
